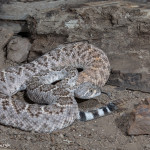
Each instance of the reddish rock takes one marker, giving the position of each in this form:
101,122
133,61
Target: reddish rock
140,120
147,100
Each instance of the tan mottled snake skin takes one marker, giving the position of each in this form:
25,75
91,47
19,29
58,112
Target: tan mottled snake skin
63,111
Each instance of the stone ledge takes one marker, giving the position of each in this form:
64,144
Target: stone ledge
121,29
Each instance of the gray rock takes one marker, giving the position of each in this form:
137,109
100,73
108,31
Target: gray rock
121,29
20,10
5,36
18,49
43,44
16,27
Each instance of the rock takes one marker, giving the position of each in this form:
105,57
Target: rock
140,120
18,49
16,27
43,44
5,36
120,28
133,146
141,1
147,101
21,10
32,56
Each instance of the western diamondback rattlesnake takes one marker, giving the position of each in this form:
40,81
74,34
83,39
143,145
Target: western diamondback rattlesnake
62,108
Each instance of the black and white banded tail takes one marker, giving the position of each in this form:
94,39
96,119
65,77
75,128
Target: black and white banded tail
93,114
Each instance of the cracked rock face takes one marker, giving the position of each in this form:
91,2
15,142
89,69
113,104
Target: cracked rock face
18,49
120,28
5,36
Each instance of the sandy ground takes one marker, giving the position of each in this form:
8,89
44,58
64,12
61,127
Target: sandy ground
106,133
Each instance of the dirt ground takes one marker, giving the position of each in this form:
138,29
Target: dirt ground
106,133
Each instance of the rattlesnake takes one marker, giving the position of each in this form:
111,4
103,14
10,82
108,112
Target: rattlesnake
59,108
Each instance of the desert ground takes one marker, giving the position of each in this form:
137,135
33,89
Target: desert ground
105,133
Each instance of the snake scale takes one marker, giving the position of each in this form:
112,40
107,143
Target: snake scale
58,107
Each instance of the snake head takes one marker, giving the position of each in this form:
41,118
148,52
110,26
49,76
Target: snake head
87,91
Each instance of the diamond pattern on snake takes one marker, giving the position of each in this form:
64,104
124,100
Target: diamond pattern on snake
55,106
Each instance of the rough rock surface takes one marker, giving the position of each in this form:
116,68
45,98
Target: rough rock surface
17,10
5,36
16,27
18,49
140,120
120,28
43,44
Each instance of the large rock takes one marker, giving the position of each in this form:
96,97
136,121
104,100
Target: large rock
18,49
5,36
121,29
16,27
43,44
20,11
140,120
